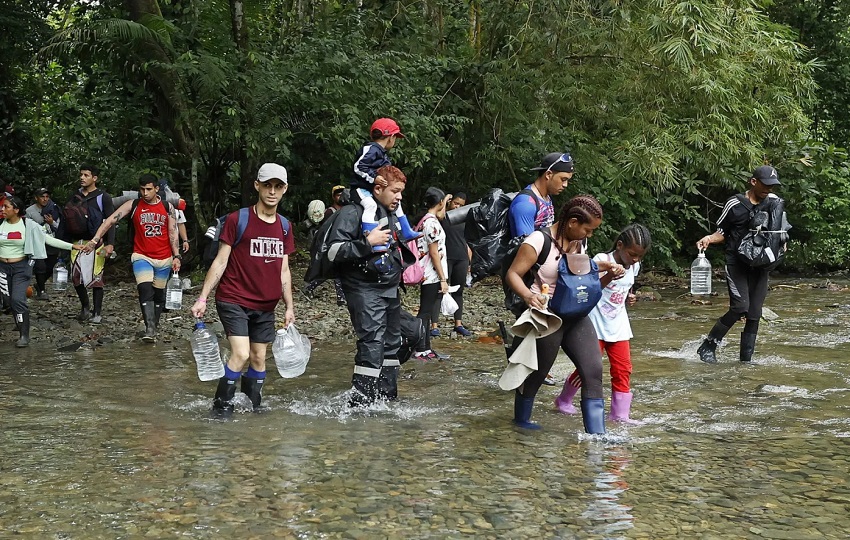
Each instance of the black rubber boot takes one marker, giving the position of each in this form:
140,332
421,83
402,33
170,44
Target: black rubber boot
150,324
522,412
748,346
709,345
24,327
223,401
388,380
157,314
97,305
593,415
706,351
253,388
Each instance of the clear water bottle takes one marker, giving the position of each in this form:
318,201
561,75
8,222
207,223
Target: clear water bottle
291,351
60,276
174,293
206,353
701,275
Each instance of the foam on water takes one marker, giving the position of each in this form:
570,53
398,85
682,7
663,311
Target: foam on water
336,407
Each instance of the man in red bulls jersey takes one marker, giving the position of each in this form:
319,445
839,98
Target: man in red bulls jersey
252,274
153,225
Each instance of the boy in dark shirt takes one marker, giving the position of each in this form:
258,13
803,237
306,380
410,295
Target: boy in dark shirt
373,156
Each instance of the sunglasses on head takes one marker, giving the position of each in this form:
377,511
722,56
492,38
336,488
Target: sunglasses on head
563,158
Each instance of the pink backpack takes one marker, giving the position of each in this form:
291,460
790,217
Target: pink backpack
415,273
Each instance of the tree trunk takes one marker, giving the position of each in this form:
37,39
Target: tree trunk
239,30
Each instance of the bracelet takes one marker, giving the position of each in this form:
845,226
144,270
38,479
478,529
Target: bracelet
202,300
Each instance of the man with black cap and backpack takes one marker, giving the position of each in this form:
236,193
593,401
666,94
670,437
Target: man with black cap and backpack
532,207
153,225
747,284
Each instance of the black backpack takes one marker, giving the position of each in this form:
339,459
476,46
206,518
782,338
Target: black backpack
513,302
488,232
82,219
320,266
764,244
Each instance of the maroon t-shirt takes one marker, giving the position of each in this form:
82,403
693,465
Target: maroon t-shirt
252,277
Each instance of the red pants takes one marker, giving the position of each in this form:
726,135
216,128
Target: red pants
620,358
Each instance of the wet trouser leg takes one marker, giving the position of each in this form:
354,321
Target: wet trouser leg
578,340
370,309
388,380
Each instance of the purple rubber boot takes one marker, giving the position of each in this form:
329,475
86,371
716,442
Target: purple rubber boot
564,401
621,403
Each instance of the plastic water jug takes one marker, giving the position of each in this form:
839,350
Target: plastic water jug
206,353
291,352
60,276
174,293
701,275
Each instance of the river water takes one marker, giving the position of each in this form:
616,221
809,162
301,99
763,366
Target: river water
117,443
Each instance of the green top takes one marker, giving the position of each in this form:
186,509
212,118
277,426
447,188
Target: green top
28,240
12,239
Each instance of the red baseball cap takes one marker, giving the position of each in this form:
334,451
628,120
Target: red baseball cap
387,127
181,204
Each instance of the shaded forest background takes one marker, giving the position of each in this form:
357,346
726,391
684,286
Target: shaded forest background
665,105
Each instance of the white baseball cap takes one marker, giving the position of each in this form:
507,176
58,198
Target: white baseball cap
270,171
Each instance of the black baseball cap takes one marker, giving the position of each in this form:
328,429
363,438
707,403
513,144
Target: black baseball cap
767,175
556,162
41,191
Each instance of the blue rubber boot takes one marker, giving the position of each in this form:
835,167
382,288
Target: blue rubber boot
593,415
407,232
369,227
522,412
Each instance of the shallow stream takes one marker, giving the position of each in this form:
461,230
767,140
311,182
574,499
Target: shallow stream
117,442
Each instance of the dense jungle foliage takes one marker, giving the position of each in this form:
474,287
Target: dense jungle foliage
666,105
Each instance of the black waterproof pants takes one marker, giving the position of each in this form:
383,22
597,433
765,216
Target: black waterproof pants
376,315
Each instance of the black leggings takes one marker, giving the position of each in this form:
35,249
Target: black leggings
429,309
577,339
457,276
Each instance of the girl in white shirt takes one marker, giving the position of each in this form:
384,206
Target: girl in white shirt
433,245
611,323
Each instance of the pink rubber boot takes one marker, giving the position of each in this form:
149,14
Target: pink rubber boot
564,401
621,403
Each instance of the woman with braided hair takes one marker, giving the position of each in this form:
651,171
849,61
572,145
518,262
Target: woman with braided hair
577,220
611,322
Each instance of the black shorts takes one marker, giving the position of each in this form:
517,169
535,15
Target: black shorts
257,325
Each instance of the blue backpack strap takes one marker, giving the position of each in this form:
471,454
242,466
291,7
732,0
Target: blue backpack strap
99,200
241,224
284,223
